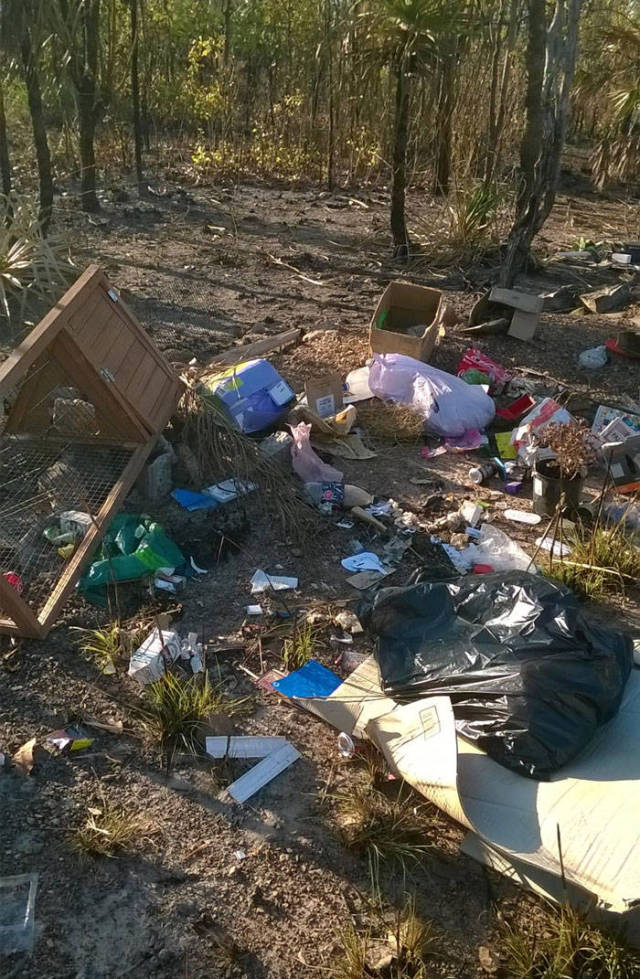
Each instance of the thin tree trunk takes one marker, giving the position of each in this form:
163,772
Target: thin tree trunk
444,118
86,89
331,133
560,52
398,187
135,93
5,162
41,143
228,11
532,140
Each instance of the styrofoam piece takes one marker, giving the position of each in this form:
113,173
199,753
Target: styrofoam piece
523,516
243,746
263,773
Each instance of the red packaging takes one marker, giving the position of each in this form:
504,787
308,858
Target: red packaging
14,580
474,359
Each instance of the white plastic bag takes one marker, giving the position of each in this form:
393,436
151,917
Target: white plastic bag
498,550
594,358
448,404
306,464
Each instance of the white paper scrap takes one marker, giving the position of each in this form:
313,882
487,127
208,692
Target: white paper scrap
243,746
262,582
263,773
365,561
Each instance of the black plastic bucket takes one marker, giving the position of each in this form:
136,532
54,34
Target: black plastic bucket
548,489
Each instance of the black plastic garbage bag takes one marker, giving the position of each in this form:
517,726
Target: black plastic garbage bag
530,678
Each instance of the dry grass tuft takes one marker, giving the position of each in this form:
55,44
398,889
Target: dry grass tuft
109,830
300,647
568,949
389,825
389,422
176,709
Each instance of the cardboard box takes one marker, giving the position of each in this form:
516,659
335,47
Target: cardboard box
401,309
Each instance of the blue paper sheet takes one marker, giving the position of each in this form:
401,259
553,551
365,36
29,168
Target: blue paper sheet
194,501
311,680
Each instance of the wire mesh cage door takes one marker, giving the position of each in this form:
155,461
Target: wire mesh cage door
76,426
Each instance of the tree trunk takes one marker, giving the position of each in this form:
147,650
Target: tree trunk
399,180
5,162
531,145
444,118
43,156
86,98
228,12
552,106
85,101
331,133
135,94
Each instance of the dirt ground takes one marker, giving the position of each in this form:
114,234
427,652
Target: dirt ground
205,268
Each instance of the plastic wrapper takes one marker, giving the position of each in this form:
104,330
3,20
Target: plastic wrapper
496,548
306,463
529,676
449,406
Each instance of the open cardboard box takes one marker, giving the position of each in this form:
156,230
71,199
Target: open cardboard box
402,307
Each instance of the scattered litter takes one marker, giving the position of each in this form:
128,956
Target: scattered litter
365,561
626,345
196,568
471,512
605,415
364,580
240,855
556,548
358,385
277,448
254,610
522,516
306,463
481,641
506,448
408,320
470,441
449,406
23,759
17,913
262,582
478,474
325,395
594,358
497,549
72,737
526,311
326,496
149,662
348,621
229,490
263,773
192,501
252,395
545,413
345,524
475,360
311,680
517,409
243,746
111,725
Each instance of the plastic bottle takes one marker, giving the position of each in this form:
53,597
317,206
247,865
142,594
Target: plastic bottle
478,474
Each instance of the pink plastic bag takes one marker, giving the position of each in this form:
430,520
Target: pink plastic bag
306,463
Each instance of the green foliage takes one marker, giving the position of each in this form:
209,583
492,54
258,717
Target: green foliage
176,709
299,649
603,560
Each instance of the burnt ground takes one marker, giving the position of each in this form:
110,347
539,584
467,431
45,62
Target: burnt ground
205,268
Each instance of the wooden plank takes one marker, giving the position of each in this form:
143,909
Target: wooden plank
15,367
21,614
67,582
517,300
105,397
237,355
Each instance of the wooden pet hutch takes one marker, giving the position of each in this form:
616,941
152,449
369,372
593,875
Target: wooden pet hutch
82,401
